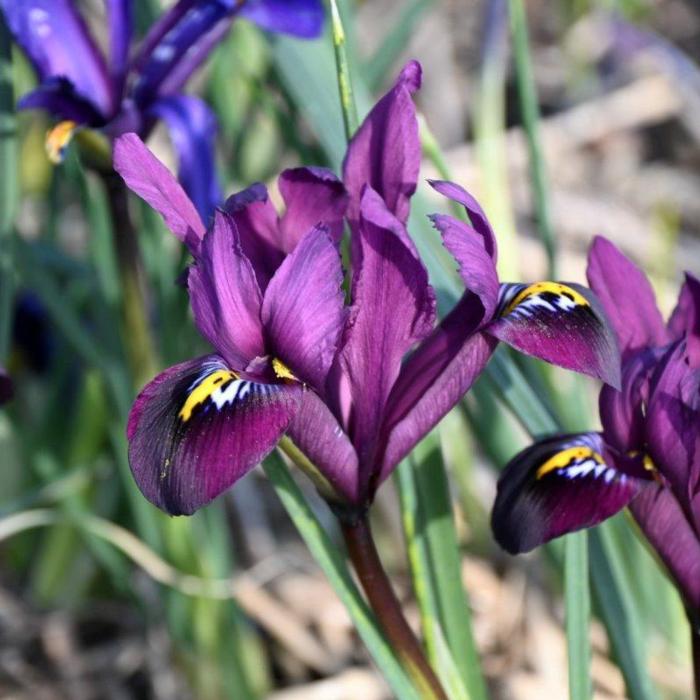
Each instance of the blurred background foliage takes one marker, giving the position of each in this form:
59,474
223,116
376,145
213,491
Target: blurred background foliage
89,610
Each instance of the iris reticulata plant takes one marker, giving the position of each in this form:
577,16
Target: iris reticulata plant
355,387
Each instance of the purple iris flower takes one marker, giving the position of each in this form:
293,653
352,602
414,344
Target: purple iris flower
354,388
648,454
131,88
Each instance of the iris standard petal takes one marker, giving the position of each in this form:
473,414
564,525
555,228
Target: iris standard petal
56,40
476,266
312,196
302,18
385,152
665,526
626,296
557,486
120,17
477,217
58,97
152,181
393,306
192,127
562,323
258,228
303,310
225,296
673,427
317,433
685,318
198,427
434,379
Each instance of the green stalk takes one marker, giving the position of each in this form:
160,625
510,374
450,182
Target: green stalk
347,98
531,116
8,188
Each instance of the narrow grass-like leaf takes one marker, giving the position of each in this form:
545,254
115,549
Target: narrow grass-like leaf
439,569
333,565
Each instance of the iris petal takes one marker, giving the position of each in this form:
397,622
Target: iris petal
557,486
198,427
562,323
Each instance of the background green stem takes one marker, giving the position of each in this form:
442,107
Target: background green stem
365,558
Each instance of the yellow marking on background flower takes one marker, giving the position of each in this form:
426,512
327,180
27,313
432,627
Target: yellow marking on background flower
566,457
204,390
281,370
541,287
57,140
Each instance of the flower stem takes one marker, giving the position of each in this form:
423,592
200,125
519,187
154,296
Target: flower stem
140,347
695,644
347,98
386,606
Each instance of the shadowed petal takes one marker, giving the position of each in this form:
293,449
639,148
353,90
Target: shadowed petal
303,310
385,152
258,228
197,428
7,389
302,18
56,40
192,127
313,196
145,175
319,436
556,486
476,266
686,317
669,532
673,427
626,296
58,97
225,297
476,214
562,323
393,306
435,378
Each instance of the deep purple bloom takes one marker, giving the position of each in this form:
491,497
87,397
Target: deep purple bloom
128,90
648,455
367,383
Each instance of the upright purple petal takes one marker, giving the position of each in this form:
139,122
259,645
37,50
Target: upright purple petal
476,214
56,40
385,152
192,127
175,50
258,228
225,296
198,427
626,296
313,196
673,427
557,486
317,433
666,527
303,310
393,306
562,323
152,181
120,17
302,18
58,97
434,379
476,266
685,318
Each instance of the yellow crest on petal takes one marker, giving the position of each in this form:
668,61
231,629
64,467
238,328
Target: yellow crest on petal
58,138
205,390
566,458
534,294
